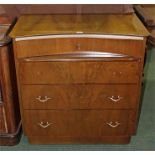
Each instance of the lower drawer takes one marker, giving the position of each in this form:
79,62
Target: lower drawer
78,123
79,96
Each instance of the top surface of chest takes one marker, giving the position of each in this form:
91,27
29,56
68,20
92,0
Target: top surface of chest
32,25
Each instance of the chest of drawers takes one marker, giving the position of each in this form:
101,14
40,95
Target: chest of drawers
79,79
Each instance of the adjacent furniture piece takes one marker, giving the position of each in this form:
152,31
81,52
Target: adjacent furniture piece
79,77
10,124
16,10
147,14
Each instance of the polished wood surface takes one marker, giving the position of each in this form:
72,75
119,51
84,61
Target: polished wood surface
79,96
48,47
10,104
31,25
85,123
77,83
79,72
2,120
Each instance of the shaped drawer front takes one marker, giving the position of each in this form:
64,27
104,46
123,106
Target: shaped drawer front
40,47
79,72
79,96
85,123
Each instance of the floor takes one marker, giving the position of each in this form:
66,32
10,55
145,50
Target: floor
145,138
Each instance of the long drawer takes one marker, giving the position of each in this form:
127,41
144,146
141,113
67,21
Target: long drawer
80,123
40,47
79,72
79,96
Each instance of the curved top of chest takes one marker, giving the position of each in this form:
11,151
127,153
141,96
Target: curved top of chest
41,25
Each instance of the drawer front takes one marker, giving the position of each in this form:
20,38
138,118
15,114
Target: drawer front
79,96
78,72
80,123
40,47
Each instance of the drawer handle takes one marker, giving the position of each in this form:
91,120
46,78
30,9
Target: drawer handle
115,99
39,98
44,125
113,125
78,46
116,73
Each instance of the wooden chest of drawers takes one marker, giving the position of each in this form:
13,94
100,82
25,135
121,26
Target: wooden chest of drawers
79,83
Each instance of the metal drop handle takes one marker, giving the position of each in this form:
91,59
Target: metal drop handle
113,125
114,99
44,125
45,99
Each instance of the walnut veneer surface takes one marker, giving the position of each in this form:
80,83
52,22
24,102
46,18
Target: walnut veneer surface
10,122
79,88
71,24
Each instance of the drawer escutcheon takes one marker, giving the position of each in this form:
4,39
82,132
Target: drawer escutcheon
44,125
115,99
113,125
45,99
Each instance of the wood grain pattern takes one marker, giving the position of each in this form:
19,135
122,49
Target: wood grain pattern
85,123
78,85
78,72
2,121
79,96
45,47
6,87
10,97
31,25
